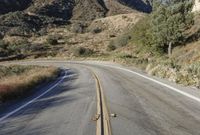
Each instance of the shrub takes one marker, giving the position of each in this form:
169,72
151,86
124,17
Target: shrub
126,56
52,40
18,47
166,27
77,28
1,35
123,40
81,51
13,70
111,46
42,32
3,45
194,69
19,31
37,47
4,51
96,30
112,35
120,41
140,32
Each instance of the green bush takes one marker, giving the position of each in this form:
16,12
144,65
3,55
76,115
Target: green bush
120,41
140,32
166,26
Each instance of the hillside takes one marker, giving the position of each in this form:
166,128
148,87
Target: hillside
77,29
31,16
139,5
28,26
23,17
181,66
13,5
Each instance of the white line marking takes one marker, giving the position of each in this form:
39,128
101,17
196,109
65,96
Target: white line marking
143,76
33,100
70,76
158,82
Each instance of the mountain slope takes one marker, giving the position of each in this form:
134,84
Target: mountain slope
121,6
52,8
13,5
87,10
23,17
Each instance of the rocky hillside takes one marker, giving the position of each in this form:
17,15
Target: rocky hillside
26,19
138,5
13,5
87,10
23,17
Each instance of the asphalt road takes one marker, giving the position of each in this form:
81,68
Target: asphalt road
144,105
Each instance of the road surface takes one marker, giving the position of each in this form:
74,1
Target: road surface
143,105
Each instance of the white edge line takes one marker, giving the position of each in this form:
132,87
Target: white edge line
158,82
34,99
143,76
153,80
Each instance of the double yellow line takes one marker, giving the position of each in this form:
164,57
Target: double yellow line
103,117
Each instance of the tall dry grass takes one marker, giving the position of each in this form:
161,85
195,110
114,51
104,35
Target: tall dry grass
17,86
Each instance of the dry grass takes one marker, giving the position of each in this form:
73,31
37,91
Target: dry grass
17,86
188,53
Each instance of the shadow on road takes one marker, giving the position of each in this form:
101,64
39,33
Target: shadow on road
51,99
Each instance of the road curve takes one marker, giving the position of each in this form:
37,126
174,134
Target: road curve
143,106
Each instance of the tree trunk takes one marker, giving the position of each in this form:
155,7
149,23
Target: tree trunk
170,49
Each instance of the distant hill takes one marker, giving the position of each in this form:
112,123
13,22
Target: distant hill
13,5
138,5
22,17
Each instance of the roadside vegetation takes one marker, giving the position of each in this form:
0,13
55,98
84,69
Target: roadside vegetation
20,47
119,42
82,51
18,81
166,27
164,43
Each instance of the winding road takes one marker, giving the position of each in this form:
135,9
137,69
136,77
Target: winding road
101,98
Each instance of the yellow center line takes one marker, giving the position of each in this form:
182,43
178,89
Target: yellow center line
103,121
